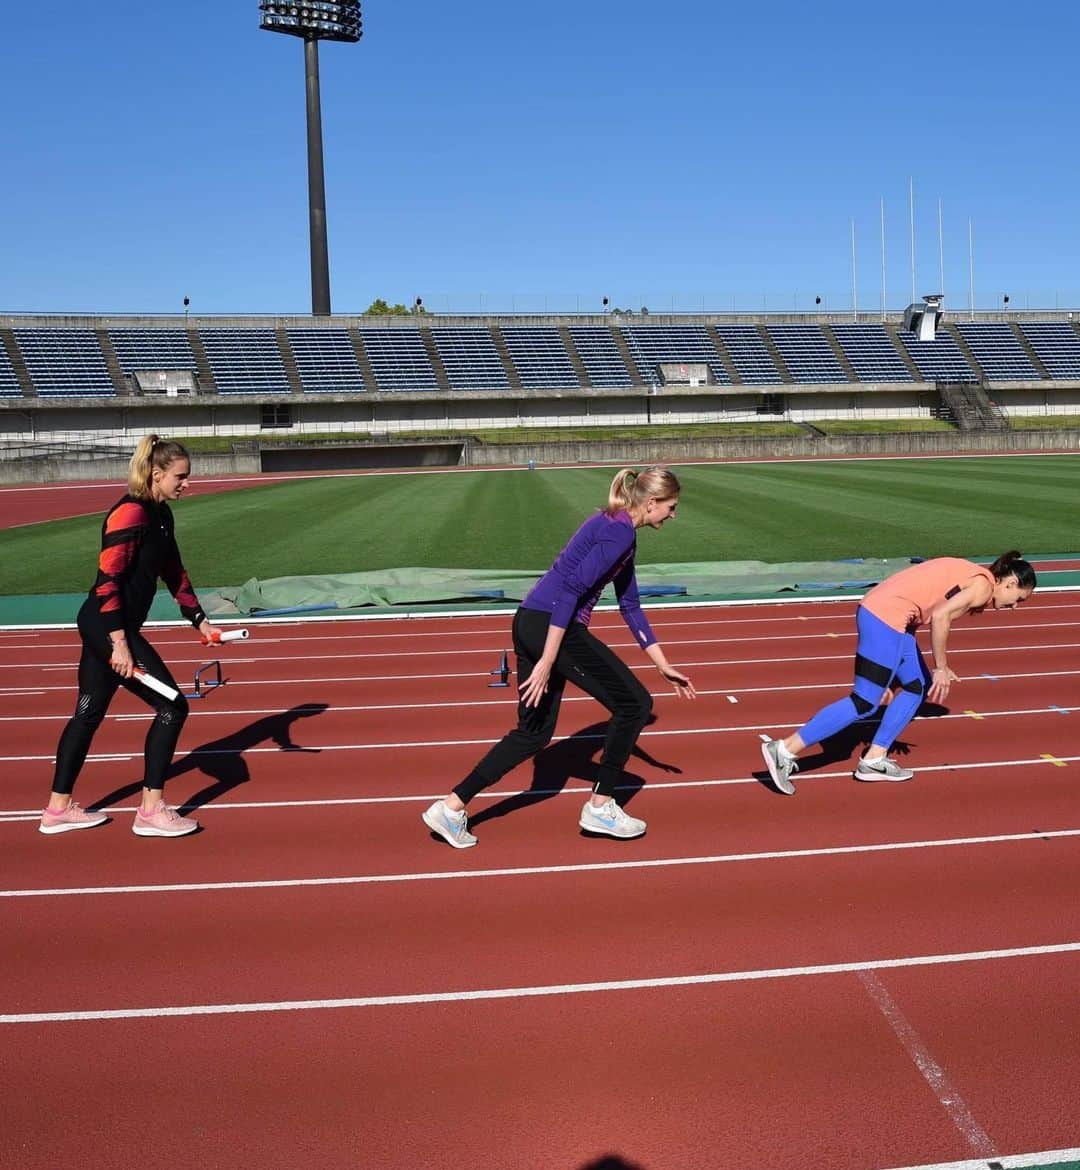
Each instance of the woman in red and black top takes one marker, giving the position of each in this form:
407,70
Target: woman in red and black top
137,548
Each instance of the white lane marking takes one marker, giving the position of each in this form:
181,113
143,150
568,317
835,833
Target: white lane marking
467,996
566,790
728,692
541,870
397,745
934,1075
1044,1159
1054,646
660,622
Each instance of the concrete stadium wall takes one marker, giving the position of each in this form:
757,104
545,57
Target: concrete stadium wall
52,469
636,452
688,450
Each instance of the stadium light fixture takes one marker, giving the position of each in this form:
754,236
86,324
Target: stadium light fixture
922,317
314,21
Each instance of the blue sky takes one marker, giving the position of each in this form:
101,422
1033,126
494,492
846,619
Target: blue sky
500,156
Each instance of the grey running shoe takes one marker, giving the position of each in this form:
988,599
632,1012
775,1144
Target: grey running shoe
451,826
781,768
883,769
610,820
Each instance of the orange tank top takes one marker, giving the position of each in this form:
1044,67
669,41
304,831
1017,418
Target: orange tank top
907,599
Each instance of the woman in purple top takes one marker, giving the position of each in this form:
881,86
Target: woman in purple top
552,644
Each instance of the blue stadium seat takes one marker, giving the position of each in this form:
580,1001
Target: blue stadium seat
326,361
398,360
245,361
807,353
1057,346
996,348
65,362
650,345
871,352
749,355
600,356
540,358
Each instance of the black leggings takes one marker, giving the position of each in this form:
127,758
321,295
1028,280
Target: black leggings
98,682
586,662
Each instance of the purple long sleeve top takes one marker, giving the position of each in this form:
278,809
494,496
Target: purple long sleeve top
601,551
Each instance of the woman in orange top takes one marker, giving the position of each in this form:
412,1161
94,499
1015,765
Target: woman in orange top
936,591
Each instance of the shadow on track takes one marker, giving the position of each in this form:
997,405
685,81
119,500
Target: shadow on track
841,748
223,759
556,764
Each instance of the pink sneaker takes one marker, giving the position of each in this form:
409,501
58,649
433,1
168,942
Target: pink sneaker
163,822
73,817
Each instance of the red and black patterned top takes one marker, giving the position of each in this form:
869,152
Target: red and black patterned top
138,545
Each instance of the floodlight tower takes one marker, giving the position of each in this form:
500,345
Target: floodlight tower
314,21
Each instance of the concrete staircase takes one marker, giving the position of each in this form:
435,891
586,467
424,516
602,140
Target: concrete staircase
371,383
575,357
512,375
628,358
121,384
1025,345
7,339
434,357
288,360
718,344
971,407
774,353
207,385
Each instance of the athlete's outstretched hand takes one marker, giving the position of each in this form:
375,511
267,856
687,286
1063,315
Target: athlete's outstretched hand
684,688
939,686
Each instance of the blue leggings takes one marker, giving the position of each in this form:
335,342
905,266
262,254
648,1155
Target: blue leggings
881,656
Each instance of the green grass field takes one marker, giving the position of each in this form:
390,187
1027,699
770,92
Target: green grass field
775,512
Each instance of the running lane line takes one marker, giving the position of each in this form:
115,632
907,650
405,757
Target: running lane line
541,870
366,1001
399,745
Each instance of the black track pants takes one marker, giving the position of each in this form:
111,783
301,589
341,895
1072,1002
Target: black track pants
590,665
98,682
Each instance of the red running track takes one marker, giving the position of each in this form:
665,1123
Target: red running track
860,976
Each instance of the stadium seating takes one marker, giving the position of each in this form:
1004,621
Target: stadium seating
938,360
64,362
398,360
152,349
1057,346
470,359
540,357
749,354
600,356
649,345
9,382
871,352
325,361
807,353
997,350
253,356
245,361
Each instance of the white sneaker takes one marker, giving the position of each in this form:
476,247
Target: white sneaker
451,826
610,820
781,767
883,769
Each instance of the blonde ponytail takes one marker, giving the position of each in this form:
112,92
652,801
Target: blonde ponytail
151,452
631,489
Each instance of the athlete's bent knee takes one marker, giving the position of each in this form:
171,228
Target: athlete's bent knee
88,712
173,713
861,705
